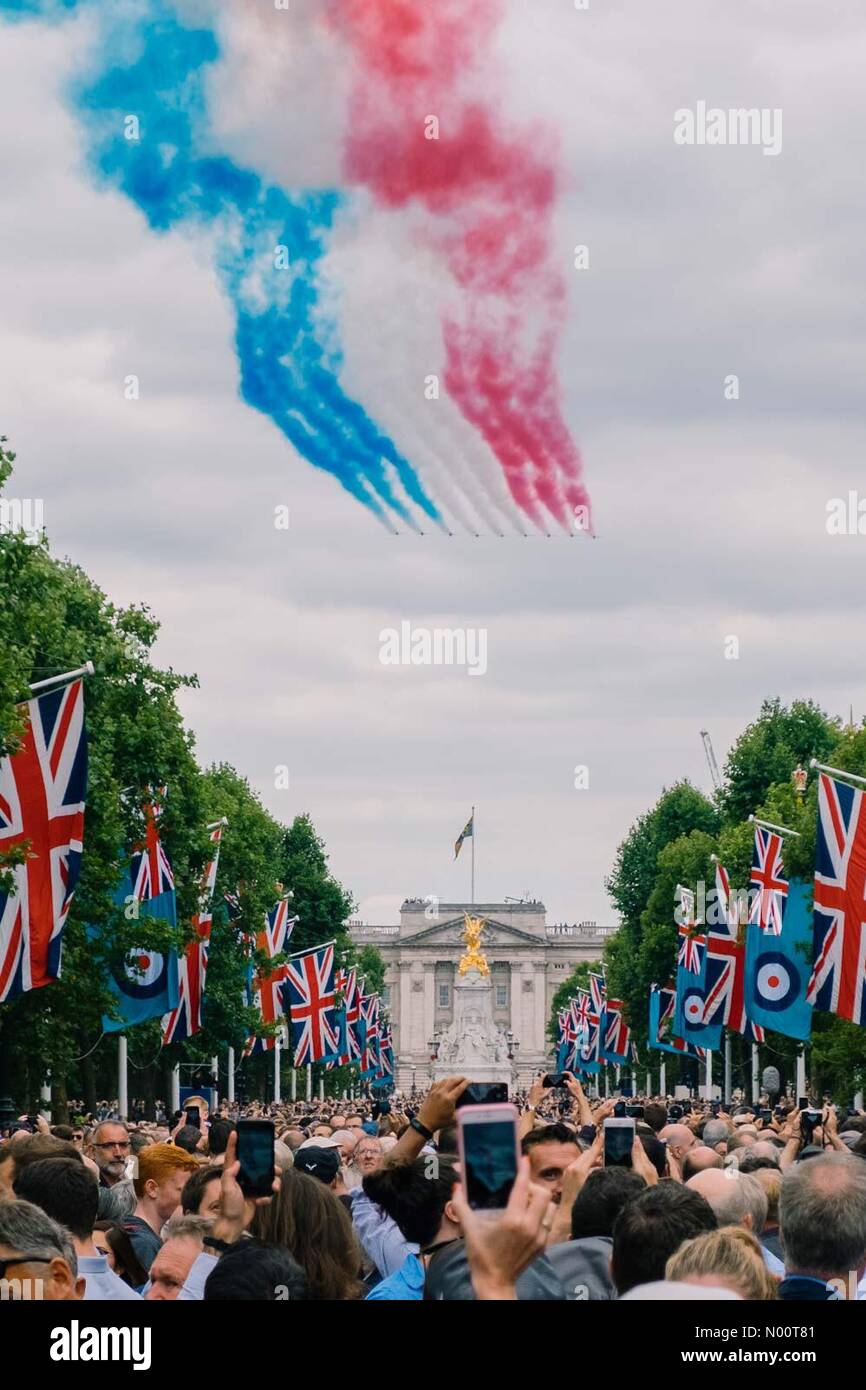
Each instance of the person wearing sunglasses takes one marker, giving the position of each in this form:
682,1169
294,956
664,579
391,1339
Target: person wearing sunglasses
37,1257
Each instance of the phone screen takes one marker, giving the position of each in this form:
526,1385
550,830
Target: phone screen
193,1117
483,1093
618,1141
256,1157
619,1110
489,1157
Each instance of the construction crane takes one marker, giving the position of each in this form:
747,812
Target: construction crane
711,760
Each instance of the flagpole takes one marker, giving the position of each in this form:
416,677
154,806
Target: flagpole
768,825
85,670
662,1089
756,1063
122,1089
230,1088
801,1071
473,856
836,771
727,1095
709,1076
277,1096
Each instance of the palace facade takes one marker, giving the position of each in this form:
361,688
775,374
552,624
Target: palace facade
528,959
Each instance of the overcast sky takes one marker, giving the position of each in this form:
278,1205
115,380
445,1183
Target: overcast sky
710,513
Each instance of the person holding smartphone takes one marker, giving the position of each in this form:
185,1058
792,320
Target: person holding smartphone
236,1212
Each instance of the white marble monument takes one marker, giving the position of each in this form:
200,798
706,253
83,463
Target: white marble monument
472,1045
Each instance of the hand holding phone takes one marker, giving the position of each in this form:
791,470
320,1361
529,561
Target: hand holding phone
255,1152
618,1141
489,1151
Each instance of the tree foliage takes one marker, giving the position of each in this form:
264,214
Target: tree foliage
53,618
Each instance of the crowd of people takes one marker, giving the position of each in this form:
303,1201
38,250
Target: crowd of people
367,1203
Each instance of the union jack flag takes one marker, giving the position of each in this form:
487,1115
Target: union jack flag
690,955
597,990
267,985
617,1034
346,985
42,794
691,942
567,1040
768,876
839,922
386,1054
726,966
588,1025
582,1009
369,1028
186,1019
309,994
151,872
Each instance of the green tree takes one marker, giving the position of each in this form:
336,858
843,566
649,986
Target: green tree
768,751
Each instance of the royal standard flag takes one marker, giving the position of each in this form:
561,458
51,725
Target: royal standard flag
778,968
466,833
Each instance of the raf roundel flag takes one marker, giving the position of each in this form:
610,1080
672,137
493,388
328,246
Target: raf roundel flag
692,994
146,984
778,968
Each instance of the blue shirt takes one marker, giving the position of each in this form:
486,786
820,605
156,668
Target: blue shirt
406,1285
101,1282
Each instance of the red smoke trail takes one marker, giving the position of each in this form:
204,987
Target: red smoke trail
493,194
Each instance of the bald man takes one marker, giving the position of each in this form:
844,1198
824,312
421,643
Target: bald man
737,1199
698,1159
679,1139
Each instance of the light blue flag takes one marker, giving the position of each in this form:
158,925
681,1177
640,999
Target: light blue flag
778,968
146,984
691,998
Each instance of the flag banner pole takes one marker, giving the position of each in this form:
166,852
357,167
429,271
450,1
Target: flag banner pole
122,1088
473,856
86,670
310,949
836,771
768,825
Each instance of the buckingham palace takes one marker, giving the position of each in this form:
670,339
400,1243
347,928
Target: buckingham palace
528,958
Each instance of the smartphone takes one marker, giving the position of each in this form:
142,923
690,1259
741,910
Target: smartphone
809,1118
193,1117
555,1078
675,1112
765,1115
618,1141
715,1107
489,1152
804,1102
483,1093
634,1112
619,1110
256,1157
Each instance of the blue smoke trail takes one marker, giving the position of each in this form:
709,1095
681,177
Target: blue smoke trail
289,364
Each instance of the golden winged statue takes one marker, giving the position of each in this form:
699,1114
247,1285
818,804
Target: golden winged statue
474,958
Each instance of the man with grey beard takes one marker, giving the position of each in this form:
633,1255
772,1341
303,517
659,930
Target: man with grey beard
109,1146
